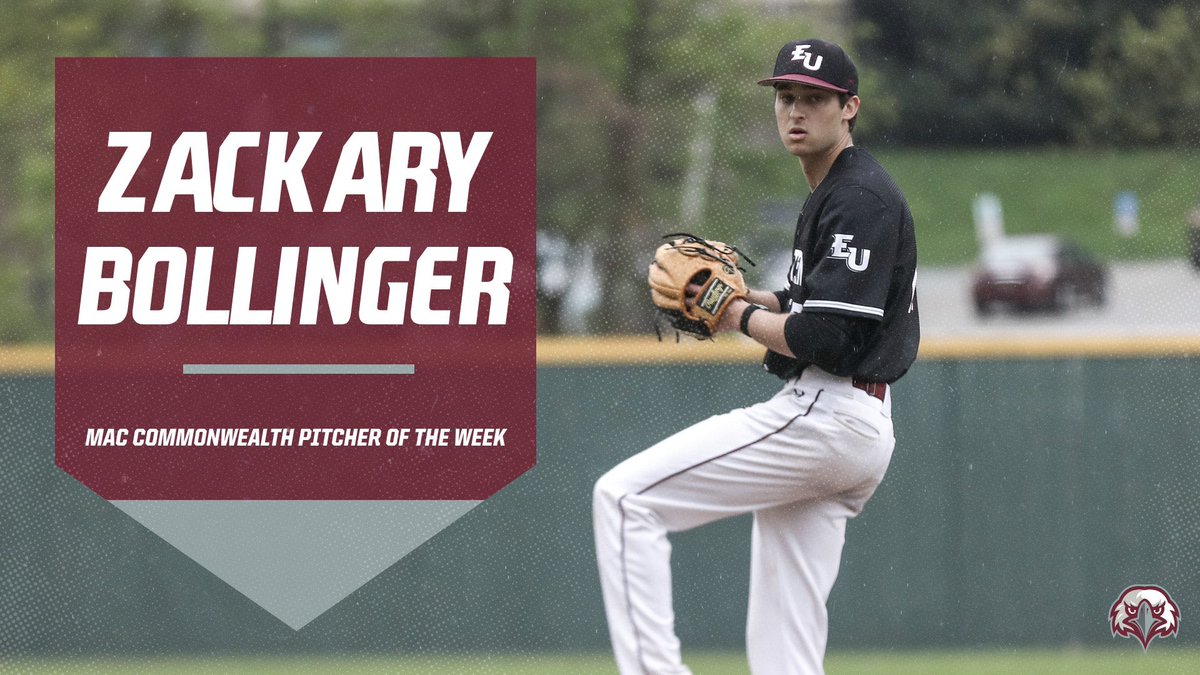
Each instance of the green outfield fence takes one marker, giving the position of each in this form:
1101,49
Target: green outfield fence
1032,482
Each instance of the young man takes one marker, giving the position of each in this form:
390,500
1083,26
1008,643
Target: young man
842,330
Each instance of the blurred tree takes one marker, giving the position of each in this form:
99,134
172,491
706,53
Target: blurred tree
32,33
1143,83
981,72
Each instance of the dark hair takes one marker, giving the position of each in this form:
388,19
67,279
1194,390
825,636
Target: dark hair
843,99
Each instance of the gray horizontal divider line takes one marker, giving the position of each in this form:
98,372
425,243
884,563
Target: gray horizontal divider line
298,369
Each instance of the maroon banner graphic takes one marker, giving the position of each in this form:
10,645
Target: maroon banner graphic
295,279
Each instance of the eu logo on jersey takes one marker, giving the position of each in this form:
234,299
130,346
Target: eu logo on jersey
856,259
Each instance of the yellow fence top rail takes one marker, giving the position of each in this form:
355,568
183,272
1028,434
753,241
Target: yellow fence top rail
565,351
26,359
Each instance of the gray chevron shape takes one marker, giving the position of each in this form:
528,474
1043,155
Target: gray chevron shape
296,559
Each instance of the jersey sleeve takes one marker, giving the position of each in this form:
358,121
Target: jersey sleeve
855,251
830,341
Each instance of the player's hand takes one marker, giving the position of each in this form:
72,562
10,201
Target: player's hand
730,318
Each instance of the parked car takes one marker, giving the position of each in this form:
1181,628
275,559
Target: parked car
1031,272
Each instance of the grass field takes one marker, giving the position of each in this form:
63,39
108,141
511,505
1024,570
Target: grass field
1067,191
1160,659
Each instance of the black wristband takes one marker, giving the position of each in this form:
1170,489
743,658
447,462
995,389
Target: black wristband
745,323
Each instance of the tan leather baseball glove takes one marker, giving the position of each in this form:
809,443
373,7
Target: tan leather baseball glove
713,266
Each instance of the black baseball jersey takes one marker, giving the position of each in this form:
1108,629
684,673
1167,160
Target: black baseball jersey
855,255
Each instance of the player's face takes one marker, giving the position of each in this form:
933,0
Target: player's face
811,121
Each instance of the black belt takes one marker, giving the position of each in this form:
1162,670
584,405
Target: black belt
876,389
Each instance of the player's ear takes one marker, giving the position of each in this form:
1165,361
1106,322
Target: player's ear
851,108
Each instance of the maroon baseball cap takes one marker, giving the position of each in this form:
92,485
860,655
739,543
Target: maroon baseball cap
816,63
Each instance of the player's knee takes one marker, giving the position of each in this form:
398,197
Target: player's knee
607,491
603,492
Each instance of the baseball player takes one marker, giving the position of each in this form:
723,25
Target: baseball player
804,462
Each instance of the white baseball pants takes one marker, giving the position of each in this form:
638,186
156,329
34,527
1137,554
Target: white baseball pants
803,462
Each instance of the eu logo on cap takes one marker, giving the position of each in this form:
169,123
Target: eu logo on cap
815,63
801,52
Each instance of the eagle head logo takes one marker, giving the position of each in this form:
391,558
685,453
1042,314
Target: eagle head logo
1163,614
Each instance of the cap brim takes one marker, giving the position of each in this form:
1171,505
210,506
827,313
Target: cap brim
803,79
